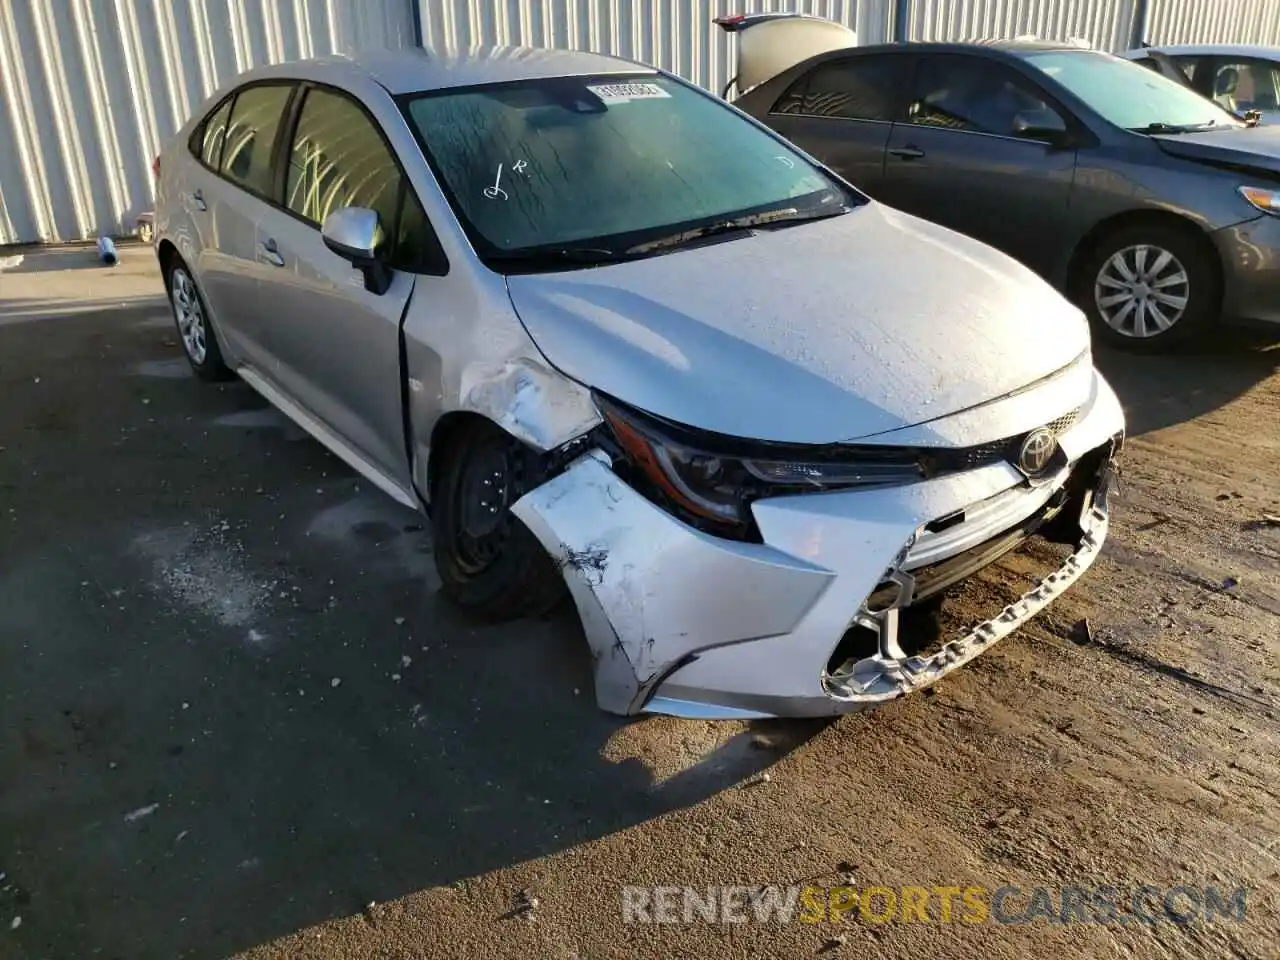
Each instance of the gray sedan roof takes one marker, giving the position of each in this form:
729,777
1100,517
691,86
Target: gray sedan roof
1211,49
414,69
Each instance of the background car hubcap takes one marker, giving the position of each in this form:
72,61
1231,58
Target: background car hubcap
186,307
1141,291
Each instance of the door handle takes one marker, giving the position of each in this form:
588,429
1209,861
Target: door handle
270,253
197,198
907,153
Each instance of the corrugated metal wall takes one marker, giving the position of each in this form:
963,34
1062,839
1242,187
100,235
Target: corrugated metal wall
676,35
1104,23
1214,21
88,88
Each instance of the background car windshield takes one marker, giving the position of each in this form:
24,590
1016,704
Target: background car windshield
562,161
1127,94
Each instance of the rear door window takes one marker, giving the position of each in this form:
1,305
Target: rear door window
213,134
971,94
857,88
251,137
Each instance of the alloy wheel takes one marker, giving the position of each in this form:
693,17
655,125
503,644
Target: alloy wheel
1141,291
190,315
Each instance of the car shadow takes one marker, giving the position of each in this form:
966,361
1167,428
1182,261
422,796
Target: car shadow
1161,390
236,704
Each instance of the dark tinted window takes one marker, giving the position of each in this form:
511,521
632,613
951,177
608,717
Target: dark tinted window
861,88
969,93
338,160
1187,65
212,135
1246,85
255,119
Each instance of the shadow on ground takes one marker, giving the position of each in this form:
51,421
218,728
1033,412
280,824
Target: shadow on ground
233,705
1161,390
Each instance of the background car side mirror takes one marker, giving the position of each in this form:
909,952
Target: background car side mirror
1044,125
355,234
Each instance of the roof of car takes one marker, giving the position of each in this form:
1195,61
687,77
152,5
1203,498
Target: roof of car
1208,49
416,69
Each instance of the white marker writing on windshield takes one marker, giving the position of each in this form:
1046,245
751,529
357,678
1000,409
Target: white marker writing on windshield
496,191
519,166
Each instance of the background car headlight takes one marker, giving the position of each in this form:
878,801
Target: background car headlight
1264,198
710,480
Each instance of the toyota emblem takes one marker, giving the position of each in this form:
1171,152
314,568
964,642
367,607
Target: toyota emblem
1036,451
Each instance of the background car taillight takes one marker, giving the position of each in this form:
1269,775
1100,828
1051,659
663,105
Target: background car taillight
155,167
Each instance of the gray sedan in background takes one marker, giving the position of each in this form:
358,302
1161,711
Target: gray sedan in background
621,339
1152,207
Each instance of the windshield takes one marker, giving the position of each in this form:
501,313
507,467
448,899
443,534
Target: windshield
1130,95
606,162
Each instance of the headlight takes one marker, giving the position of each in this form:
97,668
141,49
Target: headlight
1266,200
711,479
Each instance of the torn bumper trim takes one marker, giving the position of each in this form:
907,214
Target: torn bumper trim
682,622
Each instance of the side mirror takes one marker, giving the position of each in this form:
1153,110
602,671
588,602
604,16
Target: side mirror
355,234
1044,125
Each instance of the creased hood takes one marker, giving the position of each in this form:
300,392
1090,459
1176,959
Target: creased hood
829,331
1241,146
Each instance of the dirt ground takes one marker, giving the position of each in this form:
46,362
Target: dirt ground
237,719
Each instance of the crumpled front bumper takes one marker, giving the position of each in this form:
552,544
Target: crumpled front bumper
685,623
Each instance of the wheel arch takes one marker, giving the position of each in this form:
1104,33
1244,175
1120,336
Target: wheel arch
1165,219
167,253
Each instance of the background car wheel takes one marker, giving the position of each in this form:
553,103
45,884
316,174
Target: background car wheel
194,326
1147,287
489,562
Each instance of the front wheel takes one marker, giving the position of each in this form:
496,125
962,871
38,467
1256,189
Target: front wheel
489,562
1147,287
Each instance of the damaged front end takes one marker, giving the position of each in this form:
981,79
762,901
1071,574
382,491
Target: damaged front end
719,578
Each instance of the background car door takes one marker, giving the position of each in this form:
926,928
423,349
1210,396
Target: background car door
234,201
335,346
960,161
842,112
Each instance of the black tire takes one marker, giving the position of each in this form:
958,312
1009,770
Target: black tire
1199,292
490,564
195,325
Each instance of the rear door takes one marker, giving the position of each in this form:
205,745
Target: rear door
334,345
958,159
842,112
233,200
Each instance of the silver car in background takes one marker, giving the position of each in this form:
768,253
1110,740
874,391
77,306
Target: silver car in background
615,336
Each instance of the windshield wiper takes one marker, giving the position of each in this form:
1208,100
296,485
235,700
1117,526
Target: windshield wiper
771,218
1160,127
559,257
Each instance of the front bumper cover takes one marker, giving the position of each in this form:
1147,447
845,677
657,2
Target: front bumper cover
685,623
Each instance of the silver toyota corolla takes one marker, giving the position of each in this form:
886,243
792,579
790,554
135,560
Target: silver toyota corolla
615,335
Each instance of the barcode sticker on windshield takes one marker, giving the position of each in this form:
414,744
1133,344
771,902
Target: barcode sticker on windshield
625,92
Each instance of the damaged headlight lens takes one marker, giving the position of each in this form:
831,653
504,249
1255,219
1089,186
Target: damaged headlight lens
713,479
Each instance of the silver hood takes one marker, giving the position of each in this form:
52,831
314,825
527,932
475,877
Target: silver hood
823,332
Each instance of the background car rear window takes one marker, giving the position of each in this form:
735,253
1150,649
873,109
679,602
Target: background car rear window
255,120
969,93
860,88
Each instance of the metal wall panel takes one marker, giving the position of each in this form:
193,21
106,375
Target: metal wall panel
1214,21
1105,24
89,88
675,35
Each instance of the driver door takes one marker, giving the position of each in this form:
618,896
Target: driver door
958,159
335,345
